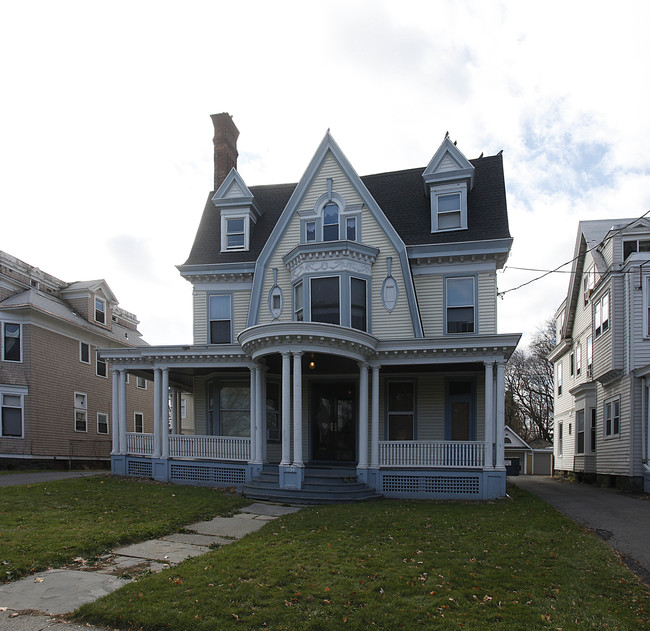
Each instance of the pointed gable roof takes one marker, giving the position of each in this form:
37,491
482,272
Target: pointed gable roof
234,193
448,165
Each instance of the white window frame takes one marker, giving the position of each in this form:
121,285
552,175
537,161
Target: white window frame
438,192
100,362
20,342
229,319
19,392
81,354
81,411
473,305
602,315
105,422
612,417
299,302
559,378
137,415
140,380
100,301
578,356
227,215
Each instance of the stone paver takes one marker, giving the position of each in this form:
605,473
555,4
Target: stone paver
197,540
57,591
228,526
164,551
270,510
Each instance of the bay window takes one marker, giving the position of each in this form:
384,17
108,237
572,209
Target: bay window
325,300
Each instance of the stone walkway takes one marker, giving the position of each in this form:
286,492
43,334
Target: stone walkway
33,603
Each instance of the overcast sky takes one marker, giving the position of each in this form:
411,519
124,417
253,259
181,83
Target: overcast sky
106,137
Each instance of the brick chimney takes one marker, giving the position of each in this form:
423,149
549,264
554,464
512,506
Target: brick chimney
225,146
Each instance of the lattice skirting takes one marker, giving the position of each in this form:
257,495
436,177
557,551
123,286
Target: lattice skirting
139,468
206,474
438,485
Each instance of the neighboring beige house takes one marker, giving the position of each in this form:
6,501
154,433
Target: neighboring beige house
602,359
55,391
345,335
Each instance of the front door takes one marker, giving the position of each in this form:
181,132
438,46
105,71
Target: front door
333,422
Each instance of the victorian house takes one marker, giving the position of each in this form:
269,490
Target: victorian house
602,357
345,335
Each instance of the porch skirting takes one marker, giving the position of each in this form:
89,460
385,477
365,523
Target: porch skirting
410,483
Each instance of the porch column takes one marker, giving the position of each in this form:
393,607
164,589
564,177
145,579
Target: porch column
260,408
115,431
122,412
374,433
363,416
500,415
164,412
253,397
297,409
489,414
157,405
286,410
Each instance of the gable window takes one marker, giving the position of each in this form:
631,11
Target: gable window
401,410
100,366
580,431
612,417
102,423
84,352
100,311
11,415
220,319
298,303
325,300
559,378
460,305
358,304
80,412
601,316
11,343
330,222
138,422
235,233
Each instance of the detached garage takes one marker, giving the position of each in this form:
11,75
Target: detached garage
534,458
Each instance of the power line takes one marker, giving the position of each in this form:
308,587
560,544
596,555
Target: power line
559,267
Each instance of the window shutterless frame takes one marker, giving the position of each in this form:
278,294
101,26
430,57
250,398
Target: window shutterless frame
220,318
12,343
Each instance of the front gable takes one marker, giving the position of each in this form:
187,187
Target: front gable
333,225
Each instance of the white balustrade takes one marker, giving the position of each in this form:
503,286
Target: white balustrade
429,453
138,444
210,447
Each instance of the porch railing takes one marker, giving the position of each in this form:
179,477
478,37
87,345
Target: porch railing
139,444
429,453
210,447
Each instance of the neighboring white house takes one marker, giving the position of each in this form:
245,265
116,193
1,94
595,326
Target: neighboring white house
345,335
602,359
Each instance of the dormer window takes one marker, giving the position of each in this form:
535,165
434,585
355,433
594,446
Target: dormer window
448,208
100,311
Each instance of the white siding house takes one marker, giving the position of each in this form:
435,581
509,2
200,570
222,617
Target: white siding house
603,354
345,335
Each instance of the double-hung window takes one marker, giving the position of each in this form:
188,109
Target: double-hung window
80,412
100,311
578,359
590,355
138,422
100,364
559,377
298,303
325,300
11,415
612,417
588,281
601,316
559,438
220,310
358,316
234,409
11,346
102,423
401,410
331,222
460,296
449,211
84,353
592,427
235,233
580,431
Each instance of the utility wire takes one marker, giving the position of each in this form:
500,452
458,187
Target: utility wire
559,267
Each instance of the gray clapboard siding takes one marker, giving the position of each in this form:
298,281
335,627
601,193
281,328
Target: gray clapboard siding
429,291
487,303
200,317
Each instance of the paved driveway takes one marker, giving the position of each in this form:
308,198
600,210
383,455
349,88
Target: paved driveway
621,519
20,479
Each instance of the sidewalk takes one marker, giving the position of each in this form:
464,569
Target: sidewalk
33,603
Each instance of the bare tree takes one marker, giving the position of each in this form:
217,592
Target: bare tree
529,387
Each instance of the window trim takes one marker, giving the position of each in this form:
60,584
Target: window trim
103,310
602,324
612,404
139,380
474,306
81,353
227,215
137,414
20,342
413,413
80,407
230,319
559,378
580,420
108,430
437,192
578,358
100,362
13,391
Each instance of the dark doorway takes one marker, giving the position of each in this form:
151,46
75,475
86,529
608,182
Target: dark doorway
333,422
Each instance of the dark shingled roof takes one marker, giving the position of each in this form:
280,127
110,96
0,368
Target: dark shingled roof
401,196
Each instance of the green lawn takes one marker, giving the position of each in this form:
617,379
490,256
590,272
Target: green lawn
512,564
49,524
